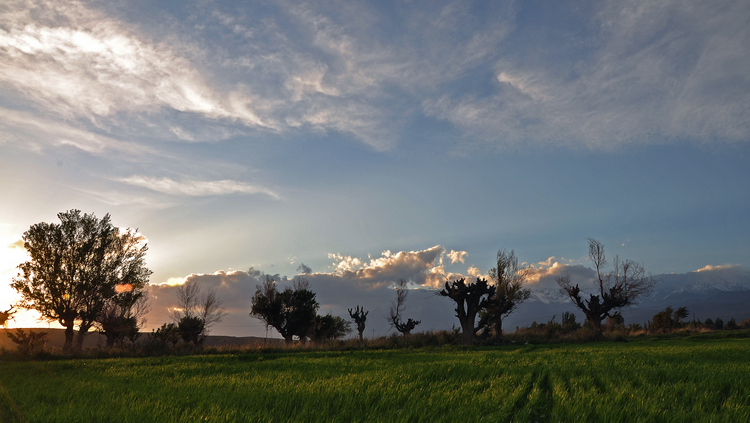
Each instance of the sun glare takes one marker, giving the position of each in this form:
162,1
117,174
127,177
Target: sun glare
12,254
123,287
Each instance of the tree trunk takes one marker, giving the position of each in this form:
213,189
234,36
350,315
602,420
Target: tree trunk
80,337
596,324
467,332
498,330
69,334
361,339
83,329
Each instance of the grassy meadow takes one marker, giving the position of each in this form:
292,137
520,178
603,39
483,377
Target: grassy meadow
648,380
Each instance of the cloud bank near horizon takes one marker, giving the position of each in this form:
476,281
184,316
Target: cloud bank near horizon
371,285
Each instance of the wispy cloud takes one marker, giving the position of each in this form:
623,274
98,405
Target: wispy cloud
642,73
661,72
82,63
196,188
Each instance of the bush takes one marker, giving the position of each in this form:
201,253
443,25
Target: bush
28,344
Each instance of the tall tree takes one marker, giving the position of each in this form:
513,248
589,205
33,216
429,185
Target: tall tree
397,307
614,290
291,312
508,279
470,299
75,267
360,317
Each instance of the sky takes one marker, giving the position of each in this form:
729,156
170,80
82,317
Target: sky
384,139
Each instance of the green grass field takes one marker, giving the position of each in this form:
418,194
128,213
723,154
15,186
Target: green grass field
651,380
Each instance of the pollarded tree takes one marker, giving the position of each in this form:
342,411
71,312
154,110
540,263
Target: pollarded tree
360,317
508,279
75,268
470,300
394,315
614,290
291,312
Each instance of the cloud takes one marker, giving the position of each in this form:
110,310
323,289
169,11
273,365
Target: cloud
196,188
658,72
304,269
87,64
457,256
355,282
35,132
710,268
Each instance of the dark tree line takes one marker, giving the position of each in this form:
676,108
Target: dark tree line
293,313
86,272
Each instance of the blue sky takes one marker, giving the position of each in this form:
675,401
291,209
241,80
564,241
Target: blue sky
270,134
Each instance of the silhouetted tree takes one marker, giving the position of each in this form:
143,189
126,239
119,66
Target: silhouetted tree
469,299
569,323
291,312
168,333
196,312
664,320
28,344
718,323
731,324
329,327
679,314
508,279
75,267
360,317
123,316
709,324
614,291
394,315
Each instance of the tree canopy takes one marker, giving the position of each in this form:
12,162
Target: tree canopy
76,267
291,312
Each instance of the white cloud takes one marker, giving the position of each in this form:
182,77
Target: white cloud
457,256
87,64
34,132
710,268
196,188
660,72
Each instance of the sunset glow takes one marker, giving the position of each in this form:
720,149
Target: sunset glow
358,143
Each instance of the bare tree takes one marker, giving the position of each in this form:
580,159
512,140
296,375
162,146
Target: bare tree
359,316
123,317
614,290
470,299
197,312
508,278
394,315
